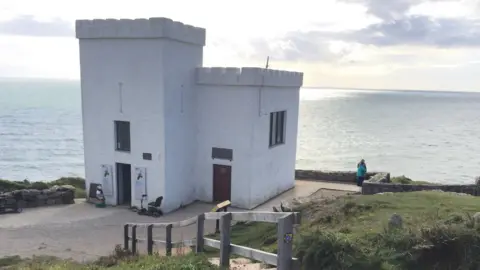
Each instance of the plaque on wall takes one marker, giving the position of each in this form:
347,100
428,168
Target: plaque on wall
140,182
222,153
147,156
107,180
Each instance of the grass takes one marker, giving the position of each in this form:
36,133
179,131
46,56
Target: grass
119,260
405,180
77,182
352,232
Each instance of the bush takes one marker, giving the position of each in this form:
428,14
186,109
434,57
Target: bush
80,193
327,250
39,185
77,182
6,185
401,180
405,180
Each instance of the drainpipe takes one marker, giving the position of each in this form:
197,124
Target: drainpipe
260,91
120,95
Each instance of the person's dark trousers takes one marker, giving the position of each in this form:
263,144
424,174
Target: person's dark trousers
360,180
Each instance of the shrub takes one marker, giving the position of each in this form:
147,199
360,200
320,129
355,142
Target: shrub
327,250
39,185
6,185
401,180
77,182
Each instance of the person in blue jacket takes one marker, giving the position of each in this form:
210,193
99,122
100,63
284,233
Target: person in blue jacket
361,172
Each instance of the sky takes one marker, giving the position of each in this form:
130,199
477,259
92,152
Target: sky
373,44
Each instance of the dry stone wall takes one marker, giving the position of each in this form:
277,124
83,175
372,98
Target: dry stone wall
330,176
34,198
379,182
370,188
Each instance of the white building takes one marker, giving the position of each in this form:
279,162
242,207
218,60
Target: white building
152,112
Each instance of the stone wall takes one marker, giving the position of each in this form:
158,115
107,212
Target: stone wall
370,188
35,198
379,182
331,176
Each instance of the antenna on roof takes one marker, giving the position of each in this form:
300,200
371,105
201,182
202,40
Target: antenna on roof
268,59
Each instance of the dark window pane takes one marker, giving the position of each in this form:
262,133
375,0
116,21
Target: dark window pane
122,134
271,130
277,128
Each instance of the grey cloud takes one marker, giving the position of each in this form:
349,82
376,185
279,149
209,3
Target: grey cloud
295,46
386,9
419,30
390,9
396,27
28,26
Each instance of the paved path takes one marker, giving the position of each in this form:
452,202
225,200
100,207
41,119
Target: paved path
83,232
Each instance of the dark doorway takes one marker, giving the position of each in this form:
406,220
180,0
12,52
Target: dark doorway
124,183
222,182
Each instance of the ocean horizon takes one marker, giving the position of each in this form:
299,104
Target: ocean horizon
425,135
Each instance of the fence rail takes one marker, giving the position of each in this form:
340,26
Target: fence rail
285,221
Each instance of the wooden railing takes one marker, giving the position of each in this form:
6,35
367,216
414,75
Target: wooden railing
285,221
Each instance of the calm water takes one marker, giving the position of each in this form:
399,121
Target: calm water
430,136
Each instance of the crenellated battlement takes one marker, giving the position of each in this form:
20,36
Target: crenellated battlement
248,76
139,28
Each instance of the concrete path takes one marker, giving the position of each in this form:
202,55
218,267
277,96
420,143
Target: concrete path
83,232
305,189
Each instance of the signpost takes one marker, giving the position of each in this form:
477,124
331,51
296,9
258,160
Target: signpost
218,208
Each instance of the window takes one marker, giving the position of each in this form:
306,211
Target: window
277,127
122,136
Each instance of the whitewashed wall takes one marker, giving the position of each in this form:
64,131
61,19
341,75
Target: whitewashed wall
105,64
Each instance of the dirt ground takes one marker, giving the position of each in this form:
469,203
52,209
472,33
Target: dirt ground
83,232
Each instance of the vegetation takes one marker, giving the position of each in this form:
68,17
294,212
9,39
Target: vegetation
352,232
405,180
349,232
77,182
119,260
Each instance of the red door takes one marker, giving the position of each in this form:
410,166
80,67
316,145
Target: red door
222,181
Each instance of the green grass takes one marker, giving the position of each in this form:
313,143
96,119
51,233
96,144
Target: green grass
77,182
405,180
352,232
119,260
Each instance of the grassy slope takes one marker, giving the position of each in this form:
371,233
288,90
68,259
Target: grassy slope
352,233
78,183
117,261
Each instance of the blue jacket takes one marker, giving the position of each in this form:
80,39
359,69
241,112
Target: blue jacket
361,171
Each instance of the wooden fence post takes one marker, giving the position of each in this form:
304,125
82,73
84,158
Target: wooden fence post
200,228
134,239
150,239
284,240
125,237
225,222
168,240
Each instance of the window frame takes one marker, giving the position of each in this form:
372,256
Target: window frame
277,128
119,140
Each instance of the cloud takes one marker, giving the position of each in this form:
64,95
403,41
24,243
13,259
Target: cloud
419,30
293,47
394,27
390,9
28,26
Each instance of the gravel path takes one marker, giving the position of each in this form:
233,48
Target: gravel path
82,232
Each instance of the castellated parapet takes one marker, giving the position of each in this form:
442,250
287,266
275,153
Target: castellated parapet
248,76
139,28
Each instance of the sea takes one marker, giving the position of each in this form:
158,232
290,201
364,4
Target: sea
424,135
